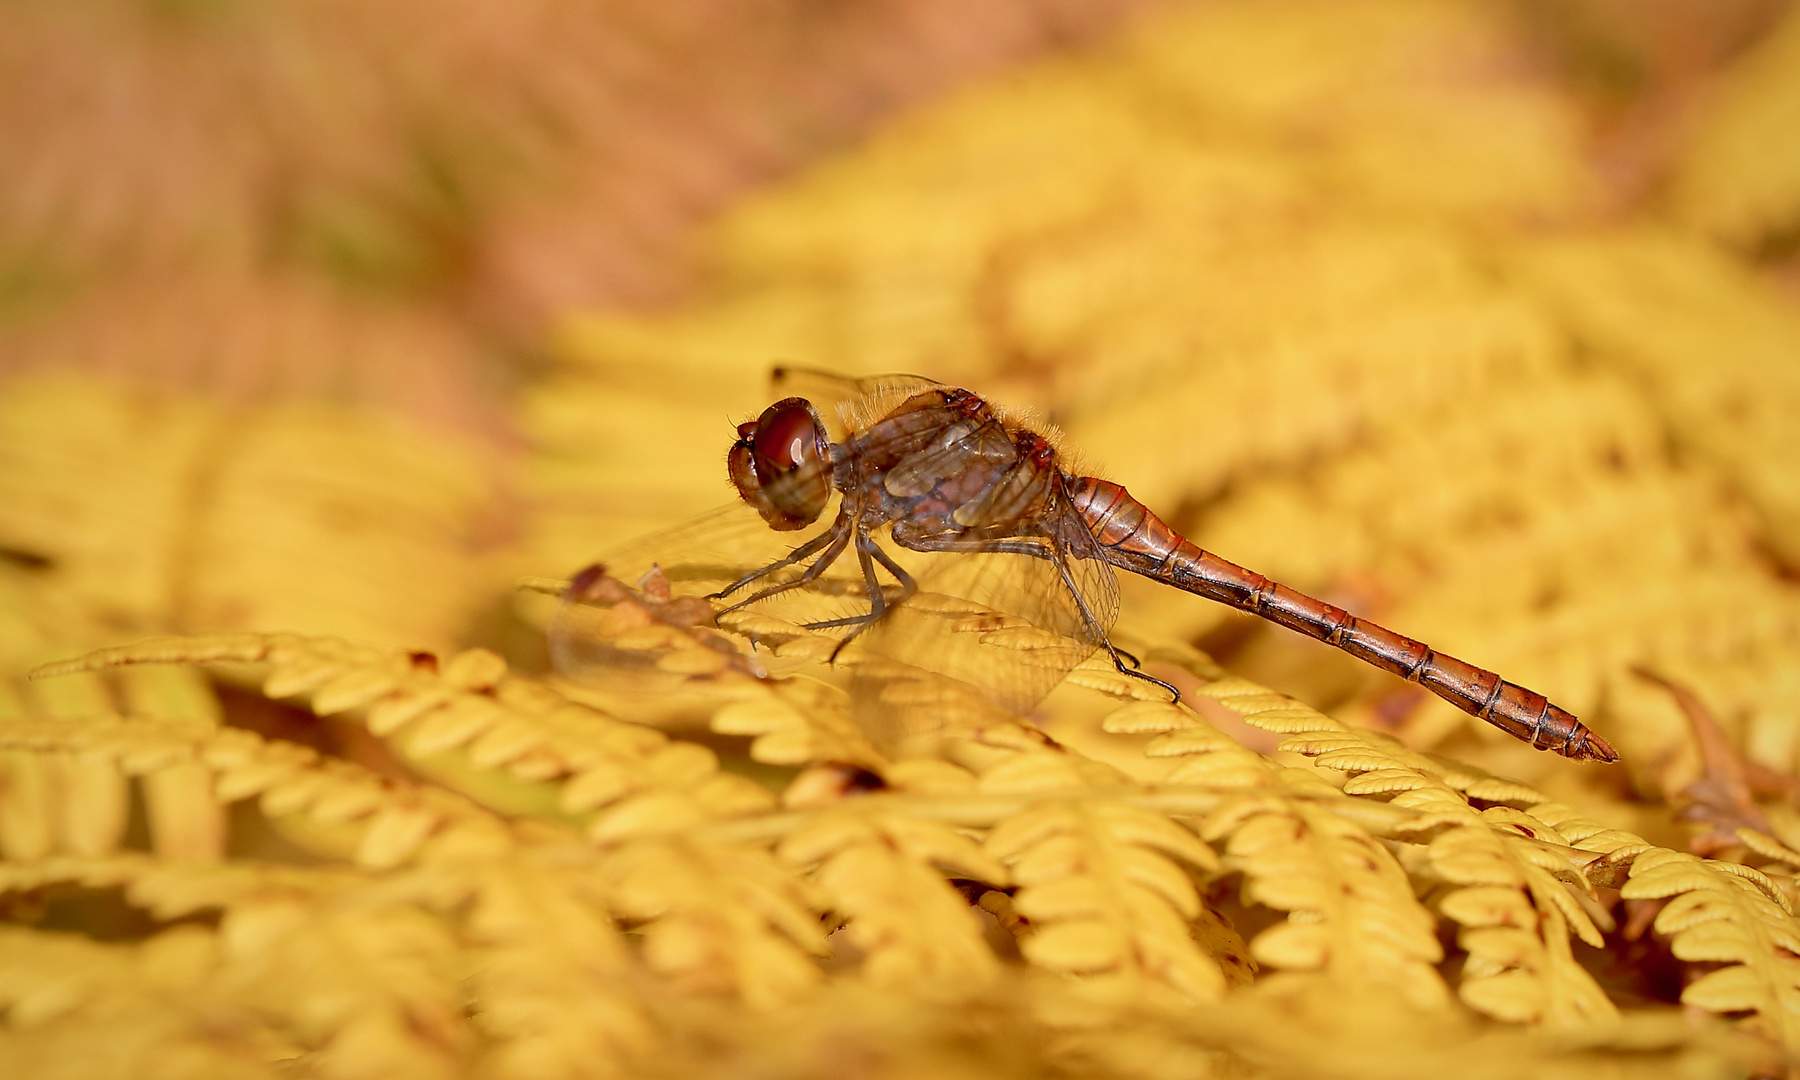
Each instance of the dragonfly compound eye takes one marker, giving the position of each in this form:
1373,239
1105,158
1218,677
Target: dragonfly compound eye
781,464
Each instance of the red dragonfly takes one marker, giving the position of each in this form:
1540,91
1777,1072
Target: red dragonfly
979,527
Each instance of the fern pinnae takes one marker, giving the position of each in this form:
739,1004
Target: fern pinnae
1519,966
1103,883
883,874
468,719
1350,906
719,919
1718,913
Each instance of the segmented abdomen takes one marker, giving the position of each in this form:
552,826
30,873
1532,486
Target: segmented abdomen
1137,540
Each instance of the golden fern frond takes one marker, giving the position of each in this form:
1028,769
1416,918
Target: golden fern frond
1374,1033
1504,870
799,722
552,974
159,512
67,793
1728,914
1106,887
883,873
352,986
1698,330
153,999
719,919
1098,878
1350,909
509,742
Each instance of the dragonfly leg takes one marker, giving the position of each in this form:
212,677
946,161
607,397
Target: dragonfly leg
834,540
877,598
868,553
1046,550
1037,549
1087,616
907,585
799,554
1136,672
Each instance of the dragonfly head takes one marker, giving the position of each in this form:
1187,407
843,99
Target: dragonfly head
781,464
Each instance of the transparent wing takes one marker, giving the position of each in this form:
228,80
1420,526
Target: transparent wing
847,404
1003,626
986,635
689,563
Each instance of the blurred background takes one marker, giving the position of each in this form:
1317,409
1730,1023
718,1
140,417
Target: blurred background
1479,317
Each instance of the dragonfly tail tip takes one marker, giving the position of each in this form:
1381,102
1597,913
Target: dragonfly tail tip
1594,748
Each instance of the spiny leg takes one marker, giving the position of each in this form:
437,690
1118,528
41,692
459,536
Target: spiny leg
1034,548
1094,627
1040,549
867,548
804,551
907,585
866,555
839,539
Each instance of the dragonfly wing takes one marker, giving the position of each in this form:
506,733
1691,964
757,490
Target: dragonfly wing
985,630
694,561
1090,575
845,403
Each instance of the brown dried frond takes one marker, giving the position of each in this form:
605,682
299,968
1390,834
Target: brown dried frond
1721,799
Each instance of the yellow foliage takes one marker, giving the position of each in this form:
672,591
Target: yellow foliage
1330,284
161,513
419,897
1740,173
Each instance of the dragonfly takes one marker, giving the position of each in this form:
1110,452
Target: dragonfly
948,537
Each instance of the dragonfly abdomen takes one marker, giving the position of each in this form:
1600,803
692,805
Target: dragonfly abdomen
1135,539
